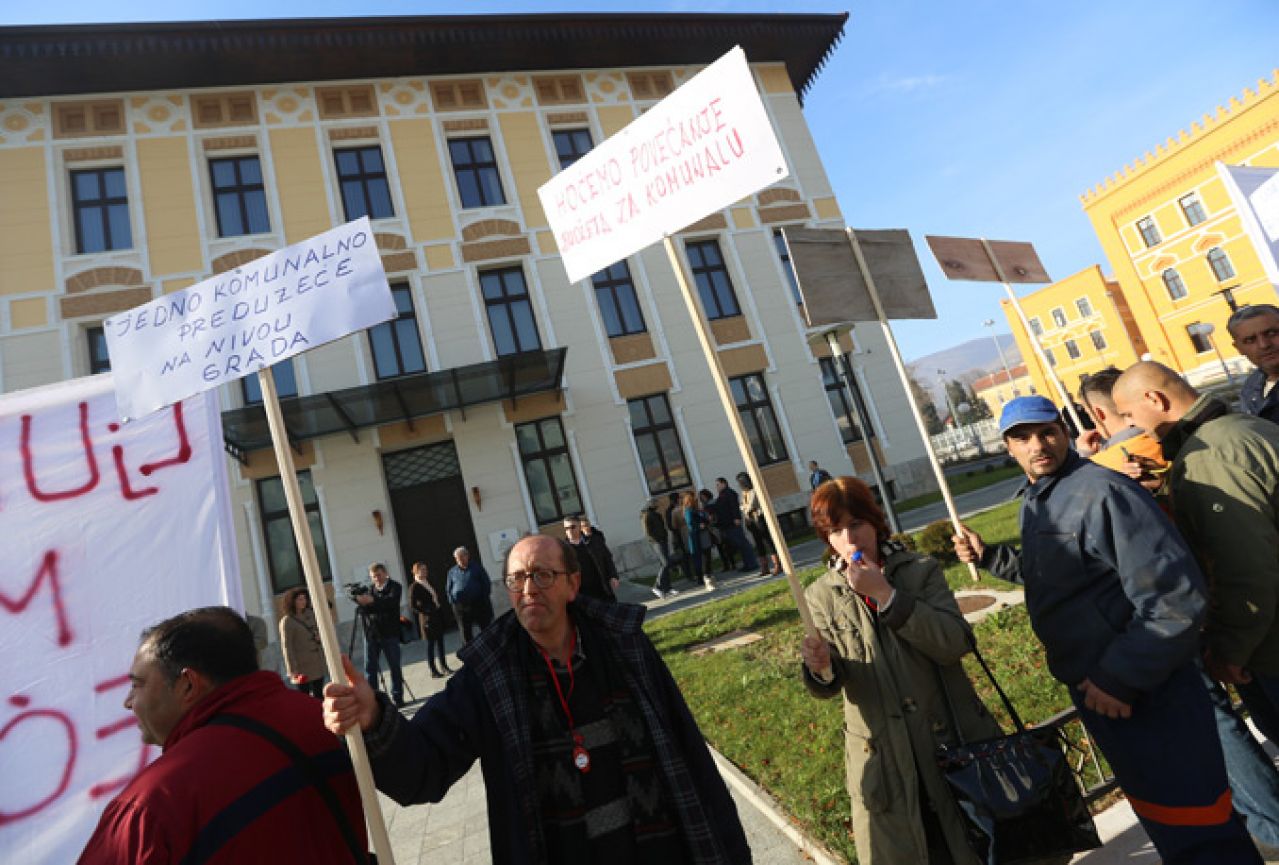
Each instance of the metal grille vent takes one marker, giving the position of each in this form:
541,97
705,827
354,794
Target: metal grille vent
421,465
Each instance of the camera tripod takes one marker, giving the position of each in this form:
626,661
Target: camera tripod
362,626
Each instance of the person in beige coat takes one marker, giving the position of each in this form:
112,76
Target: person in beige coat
890,631
300,643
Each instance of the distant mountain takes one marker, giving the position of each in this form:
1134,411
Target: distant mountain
965,362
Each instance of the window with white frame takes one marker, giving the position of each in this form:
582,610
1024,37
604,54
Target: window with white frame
1222,269
1084,307
1175,285
1192,208
657,441
281,548
1098,341
1149,231
756,411
552,483
100,205
1036,327
1072,349
1059,316
396,344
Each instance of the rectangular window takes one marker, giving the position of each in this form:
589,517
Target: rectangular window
615,294
1192,208
657,441
837,396
548,470
239,197
756,411
1175,285
792,281
362,177
1149,231
1198,338
100,203
397,347
571,145
1098,341
713,285
1084,307
281,544
475,168
510,313
99,361
286,383
1036,327
1072,349
1048,353
1059,317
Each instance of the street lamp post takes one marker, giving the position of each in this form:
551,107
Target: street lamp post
990,323
1205,329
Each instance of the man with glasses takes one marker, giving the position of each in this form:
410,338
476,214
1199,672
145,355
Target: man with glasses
588,750
1255,331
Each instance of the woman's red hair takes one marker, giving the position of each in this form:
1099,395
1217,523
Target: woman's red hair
846,496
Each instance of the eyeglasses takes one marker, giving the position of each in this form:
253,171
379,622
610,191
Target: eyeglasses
542,578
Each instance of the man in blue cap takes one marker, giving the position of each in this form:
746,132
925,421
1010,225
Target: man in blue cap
1117,599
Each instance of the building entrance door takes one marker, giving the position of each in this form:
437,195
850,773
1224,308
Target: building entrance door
432,516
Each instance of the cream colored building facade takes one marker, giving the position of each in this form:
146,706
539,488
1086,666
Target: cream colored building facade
116,194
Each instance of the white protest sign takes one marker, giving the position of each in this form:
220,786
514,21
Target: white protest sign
1255,193
705,146
108,529
246,319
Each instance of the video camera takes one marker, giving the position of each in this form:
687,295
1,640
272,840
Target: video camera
355,590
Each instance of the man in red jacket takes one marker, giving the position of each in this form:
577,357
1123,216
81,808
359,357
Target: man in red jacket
248,774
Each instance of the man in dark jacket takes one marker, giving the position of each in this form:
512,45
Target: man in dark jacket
596,581
589,752
728,518
380,611
658,537
469,590
1116,598
224,791
1255,331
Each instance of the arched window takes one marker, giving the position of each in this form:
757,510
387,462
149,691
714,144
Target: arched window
1173,282
1220,264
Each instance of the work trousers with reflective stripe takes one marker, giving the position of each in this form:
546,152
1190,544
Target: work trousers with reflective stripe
1167,759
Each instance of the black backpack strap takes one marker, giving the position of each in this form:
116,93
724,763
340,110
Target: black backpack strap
305,771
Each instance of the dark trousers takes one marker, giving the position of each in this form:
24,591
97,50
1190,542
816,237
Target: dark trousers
1168,761
1254,781
435,649
389,646
736,537
472,618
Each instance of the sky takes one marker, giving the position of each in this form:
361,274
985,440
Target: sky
980,118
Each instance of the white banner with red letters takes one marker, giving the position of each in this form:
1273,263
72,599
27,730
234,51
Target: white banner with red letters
707,145
107,528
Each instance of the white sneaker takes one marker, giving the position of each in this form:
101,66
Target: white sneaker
672,593
660,594
710,584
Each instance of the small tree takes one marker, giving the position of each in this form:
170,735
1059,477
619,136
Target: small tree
932,421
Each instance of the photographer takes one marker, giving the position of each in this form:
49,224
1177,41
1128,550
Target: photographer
380,612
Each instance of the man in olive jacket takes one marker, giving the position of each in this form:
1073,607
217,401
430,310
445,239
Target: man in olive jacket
1224,485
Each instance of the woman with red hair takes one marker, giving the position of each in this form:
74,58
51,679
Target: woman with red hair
891,635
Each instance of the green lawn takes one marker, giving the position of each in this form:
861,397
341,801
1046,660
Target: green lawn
958,485
752,707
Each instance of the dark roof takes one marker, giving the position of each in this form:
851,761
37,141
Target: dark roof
399,399
105,58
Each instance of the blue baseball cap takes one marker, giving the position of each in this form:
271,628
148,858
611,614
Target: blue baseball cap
1027,409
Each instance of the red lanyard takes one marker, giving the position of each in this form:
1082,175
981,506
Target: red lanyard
581,757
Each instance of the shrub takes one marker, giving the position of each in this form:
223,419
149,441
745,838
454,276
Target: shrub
990,467
906,539
934,540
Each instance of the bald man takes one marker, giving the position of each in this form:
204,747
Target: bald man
589,752
1224,484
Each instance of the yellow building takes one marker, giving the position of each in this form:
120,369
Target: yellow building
1083,323
1172,236
1002,385
139,159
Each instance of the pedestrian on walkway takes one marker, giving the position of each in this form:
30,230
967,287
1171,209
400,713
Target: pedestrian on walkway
595,579
753,519
430,619
379,609
728,516
657,536
300,643
816,475
679,535
698,525
1117,599
891,632
589,753
597,545
711,538
469,590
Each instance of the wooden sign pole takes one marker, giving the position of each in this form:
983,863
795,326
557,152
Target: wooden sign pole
323,616
910,397
739,433
1034,340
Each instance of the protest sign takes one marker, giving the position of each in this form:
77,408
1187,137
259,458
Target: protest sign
248,318
108,528
1255,193
705,146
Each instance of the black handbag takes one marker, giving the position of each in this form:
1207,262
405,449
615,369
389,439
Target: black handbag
1018,797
